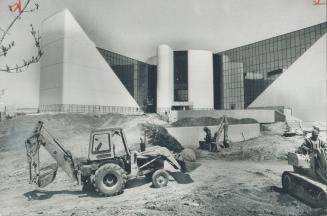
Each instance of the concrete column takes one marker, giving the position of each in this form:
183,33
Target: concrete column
165,75
200,79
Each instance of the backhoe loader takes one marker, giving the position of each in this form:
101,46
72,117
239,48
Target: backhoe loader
106,170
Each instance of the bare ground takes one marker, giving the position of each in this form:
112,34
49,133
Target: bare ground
223,184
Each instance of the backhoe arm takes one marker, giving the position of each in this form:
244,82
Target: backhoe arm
44,176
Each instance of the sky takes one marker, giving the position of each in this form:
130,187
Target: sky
136,27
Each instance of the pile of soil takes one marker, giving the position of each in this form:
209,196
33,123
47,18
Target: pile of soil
277,128
208,121
271,145
73,130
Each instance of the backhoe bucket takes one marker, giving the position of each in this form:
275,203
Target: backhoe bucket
47,175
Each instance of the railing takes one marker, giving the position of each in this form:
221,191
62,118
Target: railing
78,108
204,109
26,110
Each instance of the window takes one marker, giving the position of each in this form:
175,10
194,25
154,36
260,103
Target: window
101,143
180,76
117,141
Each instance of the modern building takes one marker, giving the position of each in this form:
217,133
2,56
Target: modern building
139,78
78,76
245,72
236,78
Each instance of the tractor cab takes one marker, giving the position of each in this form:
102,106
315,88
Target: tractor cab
107,143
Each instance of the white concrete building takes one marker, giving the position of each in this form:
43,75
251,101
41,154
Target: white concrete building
184,82
76,75
73,72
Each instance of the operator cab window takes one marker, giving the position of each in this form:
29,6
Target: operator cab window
101,143
117,140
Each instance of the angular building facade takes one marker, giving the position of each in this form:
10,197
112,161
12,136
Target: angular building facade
302,87
70,81
139,78
243,73
238,78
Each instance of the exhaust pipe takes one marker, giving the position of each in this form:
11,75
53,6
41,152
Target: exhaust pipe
143,143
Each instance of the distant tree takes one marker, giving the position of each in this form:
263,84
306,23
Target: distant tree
20,9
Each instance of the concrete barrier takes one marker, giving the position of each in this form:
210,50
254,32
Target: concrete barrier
190,136
262,116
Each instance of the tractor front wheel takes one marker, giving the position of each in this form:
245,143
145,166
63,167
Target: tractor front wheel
160,178
110,179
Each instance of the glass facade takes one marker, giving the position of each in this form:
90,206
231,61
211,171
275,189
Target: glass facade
139,78
180,76
241,74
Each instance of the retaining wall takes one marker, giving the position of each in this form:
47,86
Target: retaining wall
262,116
190,136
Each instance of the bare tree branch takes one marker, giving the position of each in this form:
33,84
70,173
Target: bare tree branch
34,59
4,49
13,21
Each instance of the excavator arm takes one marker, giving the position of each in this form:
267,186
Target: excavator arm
43,176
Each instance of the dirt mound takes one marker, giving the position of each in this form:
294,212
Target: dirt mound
271,145
208,121
72,130
267,147
277,128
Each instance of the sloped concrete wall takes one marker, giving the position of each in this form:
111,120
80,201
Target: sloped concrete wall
302,87
190,136
73,71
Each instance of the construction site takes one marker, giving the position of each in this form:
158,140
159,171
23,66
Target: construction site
173,108
244,179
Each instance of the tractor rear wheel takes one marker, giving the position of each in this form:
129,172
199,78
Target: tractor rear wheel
110,179
160,178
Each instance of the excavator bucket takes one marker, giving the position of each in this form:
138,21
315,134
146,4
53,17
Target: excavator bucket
47,175
41,176
44,175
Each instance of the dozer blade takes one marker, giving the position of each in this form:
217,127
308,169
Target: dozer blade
47,175
306,189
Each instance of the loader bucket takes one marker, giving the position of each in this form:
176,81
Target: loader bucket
47,175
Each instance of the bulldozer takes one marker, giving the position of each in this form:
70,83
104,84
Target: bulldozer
109,165
308,181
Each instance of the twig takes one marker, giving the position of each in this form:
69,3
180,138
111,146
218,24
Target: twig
13,22
34,59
